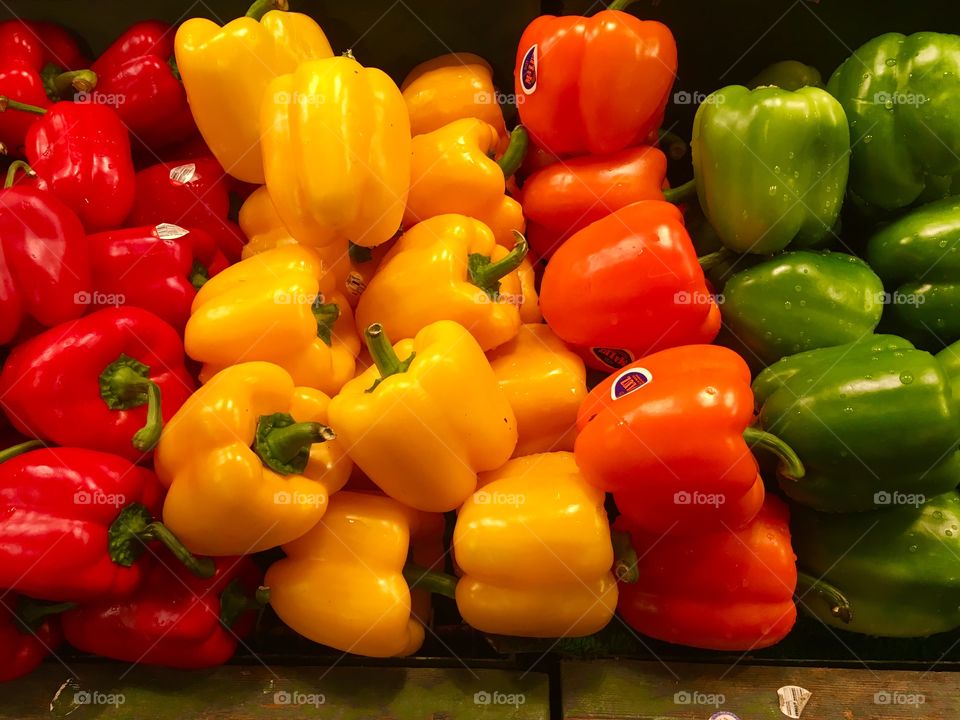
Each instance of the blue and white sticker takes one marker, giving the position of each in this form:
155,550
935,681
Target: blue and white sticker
615,358
630,381
529,67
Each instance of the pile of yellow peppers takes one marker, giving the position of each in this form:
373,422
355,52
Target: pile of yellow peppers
377,357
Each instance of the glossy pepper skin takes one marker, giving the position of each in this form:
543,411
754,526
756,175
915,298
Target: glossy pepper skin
771,166
426,418
27,636
916,257
539,566
350,180
802,300
136,71
894,566
107,381
562,198
668,601
174,618
593,85
360,548
226,70
446,268
44,266
279,307
452,171
154,267
545,383
75,522
629,285
789,75
897,92
249,462
867,419
40,43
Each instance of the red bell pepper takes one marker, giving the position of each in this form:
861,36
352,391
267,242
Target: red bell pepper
97,382
157,267
594,85
29,631
192,193
628,285
668,435
173,619
565,197
75,521
44,268
724,590
40,44
137,75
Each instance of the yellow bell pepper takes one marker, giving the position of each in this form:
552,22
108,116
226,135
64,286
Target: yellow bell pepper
545,383
336,152
535,552
529,300
450,87
342,585
262,225
451,171
249,461
447,268
422,427
280,307
225,71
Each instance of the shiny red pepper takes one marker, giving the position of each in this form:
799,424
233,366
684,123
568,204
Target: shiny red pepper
73,523
40,44
29,631
97,382
155,267
138,78
174,618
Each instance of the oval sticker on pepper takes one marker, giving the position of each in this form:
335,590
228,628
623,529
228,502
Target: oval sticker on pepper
528,71
615,358
629,381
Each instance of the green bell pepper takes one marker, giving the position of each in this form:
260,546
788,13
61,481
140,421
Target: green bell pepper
770,166
789,75
902,98
868,419
802,300
898,568
918,259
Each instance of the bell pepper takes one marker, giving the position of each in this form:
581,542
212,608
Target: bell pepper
360,549
629,285
533,544
279,307
173,619
336,152
594,85
76,521
41,43
529,305
802,300
563,198
137,75
770,166
44,266
29,632
916,257
158,268
788,75
249,462
451,87
867,418
97,382
452,171
725,590
897,91
545,383
426,418
447,268
670,436
226,70
191,193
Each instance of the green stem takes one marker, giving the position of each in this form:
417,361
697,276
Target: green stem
125,384
262,7
134,527
681,192
439,583
516,151
831,595
147,437
620,4
326,315
790,465
8,104
201,567
486,275
675,145
198,275
14,450
32,614
74,80
12,172
717,257
284,444
383,354
234,602
624,557
174,70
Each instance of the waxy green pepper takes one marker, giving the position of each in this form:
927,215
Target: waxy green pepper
868,419
918,259
900,94
789,75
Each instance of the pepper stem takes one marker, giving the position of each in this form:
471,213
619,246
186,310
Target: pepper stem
791,467
262,7
14,450
198,275
234,602
620,4
624,557
7,103
74,80
839,605
381,350
516,151
124,385
12,172
129,534
486,275
326,315
675,145
284,444
717,257
681,192
31,613
439,583
174,70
